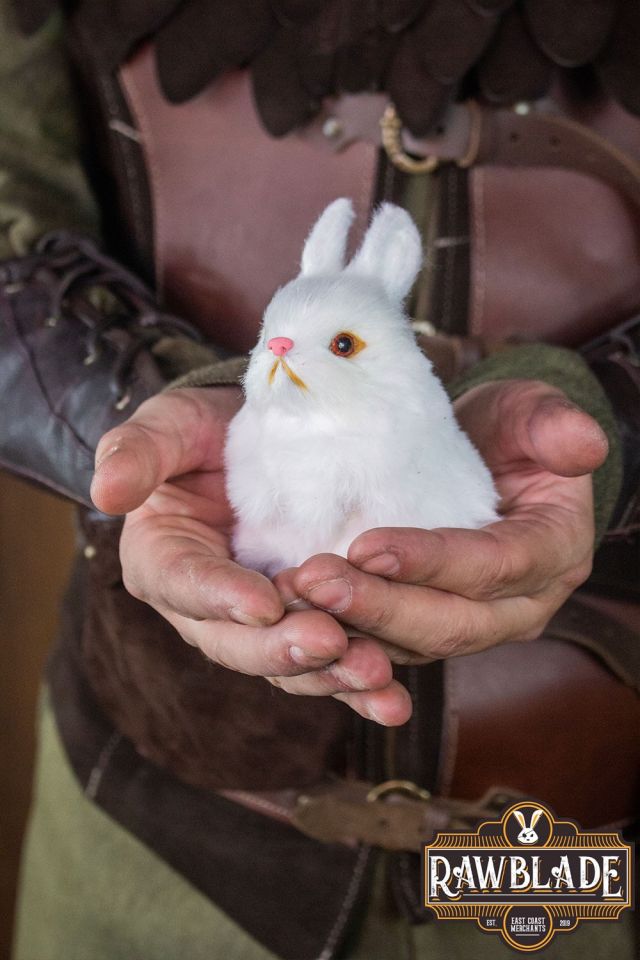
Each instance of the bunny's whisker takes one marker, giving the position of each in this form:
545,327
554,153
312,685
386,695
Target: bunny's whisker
293,376
272,372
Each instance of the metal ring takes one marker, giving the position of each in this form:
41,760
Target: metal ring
397,786
391,126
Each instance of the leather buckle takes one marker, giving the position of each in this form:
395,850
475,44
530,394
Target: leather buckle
391,127
406,787
354,812
458,142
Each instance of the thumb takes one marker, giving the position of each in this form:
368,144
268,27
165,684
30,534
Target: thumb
162,439
564,439
130,464
511,421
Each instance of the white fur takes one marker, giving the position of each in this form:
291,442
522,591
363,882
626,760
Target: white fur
373,440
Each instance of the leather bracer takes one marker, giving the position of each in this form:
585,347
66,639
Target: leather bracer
77,339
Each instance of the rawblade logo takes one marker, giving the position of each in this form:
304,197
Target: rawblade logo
528,876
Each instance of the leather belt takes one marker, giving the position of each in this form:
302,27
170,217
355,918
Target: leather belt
527,135
394,815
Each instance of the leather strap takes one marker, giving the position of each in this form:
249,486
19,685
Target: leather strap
538,139
395,815
471,134
474,134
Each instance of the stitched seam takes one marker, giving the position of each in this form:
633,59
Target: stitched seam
125,151
414,742
366,188
97,774
449,253
135,103
370,734
31,363
478,251
449,741
259,802
352,891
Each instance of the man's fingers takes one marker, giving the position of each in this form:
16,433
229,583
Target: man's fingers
514,421
284,582
565,440
185,567
362,667
298,643
390,707
431,623
169,435
205,587
513,557
305,645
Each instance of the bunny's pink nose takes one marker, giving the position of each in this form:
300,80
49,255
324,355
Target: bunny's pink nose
280,345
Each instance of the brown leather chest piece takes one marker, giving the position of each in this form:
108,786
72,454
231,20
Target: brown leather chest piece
232,205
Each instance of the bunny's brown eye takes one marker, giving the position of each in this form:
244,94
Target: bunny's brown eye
346,345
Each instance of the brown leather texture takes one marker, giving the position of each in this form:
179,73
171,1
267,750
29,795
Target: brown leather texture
548,720
214,728
422,51
399,819
223,190
575,270
210,726
64,381
517,715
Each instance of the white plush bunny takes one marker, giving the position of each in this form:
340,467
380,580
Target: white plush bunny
345,426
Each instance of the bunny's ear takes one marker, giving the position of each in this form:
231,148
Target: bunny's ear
520,818
391,251
535,816
324,251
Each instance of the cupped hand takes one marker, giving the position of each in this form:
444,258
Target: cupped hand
164,469
429,594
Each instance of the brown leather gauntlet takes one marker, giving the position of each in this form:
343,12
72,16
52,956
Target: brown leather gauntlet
77,334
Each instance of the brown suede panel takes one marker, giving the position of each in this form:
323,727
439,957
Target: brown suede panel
210,726
238,858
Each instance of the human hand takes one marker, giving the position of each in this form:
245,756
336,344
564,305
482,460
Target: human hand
164,469
429,594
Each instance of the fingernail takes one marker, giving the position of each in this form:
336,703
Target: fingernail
240,616
348,678
108,453
372,715
297,604
382,565
332,595
290,599
298,655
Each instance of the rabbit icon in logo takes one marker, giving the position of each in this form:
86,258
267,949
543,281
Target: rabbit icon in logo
527,834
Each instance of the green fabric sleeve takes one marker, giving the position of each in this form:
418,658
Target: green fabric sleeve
566,370
220,373
42,182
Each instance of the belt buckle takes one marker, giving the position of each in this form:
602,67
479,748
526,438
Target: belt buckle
391,127
463,156
405,787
